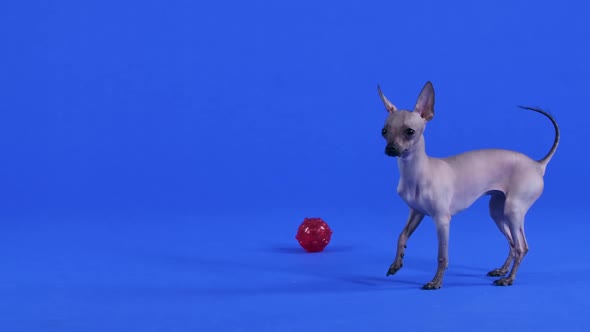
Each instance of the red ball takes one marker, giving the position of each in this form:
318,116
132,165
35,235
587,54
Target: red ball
314,234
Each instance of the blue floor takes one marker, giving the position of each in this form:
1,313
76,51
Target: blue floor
247,273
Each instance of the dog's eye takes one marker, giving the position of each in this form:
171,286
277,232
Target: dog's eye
383,131
410,131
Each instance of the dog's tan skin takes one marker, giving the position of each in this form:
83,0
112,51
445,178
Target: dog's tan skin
442,187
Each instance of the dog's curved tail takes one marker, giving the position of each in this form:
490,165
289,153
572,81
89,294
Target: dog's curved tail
545,160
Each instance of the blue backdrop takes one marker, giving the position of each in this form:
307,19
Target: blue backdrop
157,158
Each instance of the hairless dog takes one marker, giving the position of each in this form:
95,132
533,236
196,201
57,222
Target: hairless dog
442,187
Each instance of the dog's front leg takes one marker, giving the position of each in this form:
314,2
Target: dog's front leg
442,230
413,221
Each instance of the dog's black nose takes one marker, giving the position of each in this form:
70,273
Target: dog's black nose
392,151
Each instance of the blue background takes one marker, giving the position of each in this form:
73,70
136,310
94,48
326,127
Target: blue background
157,158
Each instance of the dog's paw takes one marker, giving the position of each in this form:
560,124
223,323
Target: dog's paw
394,268
503,282
432,285
497,273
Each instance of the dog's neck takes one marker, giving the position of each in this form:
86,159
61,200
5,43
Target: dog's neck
414,162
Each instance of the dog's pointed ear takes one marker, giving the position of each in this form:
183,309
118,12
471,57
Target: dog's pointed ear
425,104
388,105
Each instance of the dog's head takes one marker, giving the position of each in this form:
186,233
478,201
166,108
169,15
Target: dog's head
403,128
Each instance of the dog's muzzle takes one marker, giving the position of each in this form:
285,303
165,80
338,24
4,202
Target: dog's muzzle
392,151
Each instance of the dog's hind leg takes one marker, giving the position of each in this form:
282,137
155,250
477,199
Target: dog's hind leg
514,214
497,202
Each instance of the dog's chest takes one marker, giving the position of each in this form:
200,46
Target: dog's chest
416,195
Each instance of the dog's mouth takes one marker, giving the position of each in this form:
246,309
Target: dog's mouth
393,151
